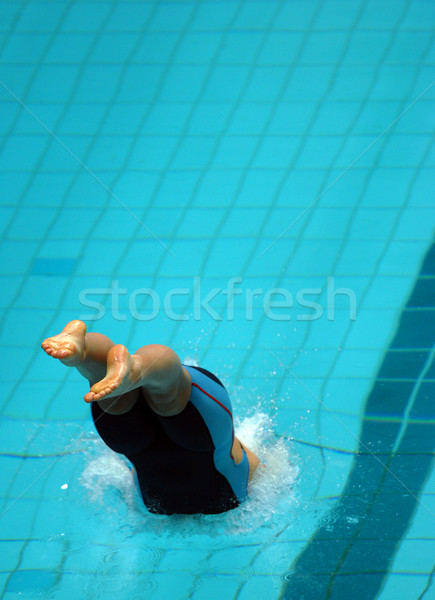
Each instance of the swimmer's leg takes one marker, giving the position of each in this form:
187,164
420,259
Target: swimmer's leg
115,376
114,373
155,368
89,354
237,452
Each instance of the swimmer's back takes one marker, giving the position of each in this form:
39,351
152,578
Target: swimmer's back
183,462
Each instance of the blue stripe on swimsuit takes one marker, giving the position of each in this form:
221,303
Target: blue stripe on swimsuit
214,405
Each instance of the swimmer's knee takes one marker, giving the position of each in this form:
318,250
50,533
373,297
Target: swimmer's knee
237,451
253,460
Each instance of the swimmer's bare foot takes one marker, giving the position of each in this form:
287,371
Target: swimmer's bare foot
69,345
121,377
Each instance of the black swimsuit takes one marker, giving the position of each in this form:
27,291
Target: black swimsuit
183,463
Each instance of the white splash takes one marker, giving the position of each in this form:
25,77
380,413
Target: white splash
190,361
110,485
108,472
271,488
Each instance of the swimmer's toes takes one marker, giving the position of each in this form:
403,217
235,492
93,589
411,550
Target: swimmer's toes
67,351
91,397
47,349
102,390
48,345
52,348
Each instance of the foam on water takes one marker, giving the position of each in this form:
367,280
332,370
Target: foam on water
110,487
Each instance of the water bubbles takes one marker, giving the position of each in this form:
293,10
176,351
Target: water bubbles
190,361
352,520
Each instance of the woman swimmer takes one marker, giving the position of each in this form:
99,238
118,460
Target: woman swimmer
173,422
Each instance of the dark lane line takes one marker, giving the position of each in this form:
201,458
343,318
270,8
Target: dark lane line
352,555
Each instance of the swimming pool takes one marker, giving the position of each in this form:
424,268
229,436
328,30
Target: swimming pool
250,183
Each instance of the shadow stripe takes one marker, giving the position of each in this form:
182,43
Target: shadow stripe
350,556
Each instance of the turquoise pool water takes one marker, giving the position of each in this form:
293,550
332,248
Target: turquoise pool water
251,183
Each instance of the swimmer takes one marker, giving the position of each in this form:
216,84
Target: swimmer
173,422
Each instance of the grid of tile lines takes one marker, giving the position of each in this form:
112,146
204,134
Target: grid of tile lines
241,97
